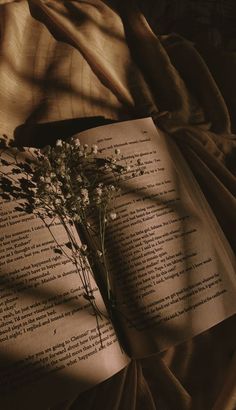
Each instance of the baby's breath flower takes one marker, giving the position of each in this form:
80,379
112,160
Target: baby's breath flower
85,196
112,216
70,183
76,141
84,248
98,191
94,149
84,192
59,143
78,178
52,175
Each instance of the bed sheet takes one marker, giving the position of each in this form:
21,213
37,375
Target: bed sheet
69,65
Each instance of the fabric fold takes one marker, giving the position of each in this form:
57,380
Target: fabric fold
64,60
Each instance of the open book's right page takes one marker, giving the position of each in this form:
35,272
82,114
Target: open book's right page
174,272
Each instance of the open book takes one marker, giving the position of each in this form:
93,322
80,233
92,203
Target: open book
172,268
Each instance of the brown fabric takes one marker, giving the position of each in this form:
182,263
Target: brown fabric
61,61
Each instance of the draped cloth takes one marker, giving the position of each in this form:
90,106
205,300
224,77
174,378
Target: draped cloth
67,65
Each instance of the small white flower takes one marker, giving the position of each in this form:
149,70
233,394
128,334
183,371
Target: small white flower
94,149
78,179
98,191
48,188
84,192
112,216
76,142
59,143
59,161
47,180
84,195
84,248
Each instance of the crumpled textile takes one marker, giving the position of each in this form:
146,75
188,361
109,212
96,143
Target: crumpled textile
62,62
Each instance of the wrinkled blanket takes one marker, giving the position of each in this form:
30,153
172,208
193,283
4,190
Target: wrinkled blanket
69,65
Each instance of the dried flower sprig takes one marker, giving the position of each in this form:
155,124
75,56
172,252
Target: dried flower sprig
75,184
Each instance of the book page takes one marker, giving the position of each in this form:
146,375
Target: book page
50,345
173,268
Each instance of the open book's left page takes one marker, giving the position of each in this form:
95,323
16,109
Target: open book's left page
51,346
